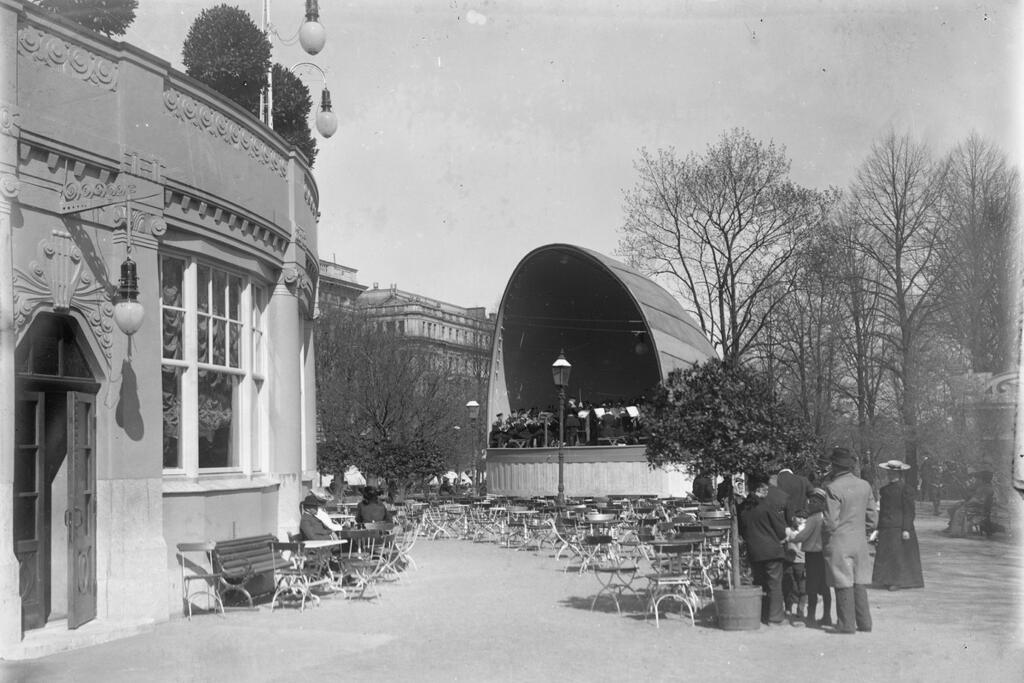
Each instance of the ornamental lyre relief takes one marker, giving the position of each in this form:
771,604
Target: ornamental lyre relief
63,275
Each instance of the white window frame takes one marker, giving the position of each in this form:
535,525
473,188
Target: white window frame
251,410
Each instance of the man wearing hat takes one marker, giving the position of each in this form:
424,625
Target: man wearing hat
315,525
848,516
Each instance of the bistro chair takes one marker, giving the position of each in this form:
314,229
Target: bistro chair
196,560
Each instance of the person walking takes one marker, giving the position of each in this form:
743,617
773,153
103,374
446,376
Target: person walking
849,515
897,557
764,531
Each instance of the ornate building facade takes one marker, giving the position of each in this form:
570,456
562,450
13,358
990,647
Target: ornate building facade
198,426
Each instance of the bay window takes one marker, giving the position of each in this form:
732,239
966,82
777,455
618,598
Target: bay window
212,368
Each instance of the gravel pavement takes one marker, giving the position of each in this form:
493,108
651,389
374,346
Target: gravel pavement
478,612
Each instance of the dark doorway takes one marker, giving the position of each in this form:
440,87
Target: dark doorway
55,474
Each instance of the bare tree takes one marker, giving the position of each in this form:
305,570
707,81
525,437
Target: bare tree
980,213
896,204
719,228
802,342
384,405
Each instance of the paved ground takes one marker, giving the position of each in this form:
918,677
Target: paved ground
481,613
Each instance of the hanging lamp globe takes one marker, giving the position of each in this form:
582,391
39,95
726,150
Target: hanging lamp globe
312,37
326,120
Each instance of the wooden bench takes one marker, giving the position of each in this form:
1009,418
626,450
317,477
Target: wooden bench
245,565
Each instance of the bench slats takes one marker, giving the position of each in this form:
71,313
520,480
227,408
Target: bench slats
242,560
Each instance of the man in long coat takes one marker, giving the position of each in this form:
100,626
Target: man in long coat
848,518
797,486
764,531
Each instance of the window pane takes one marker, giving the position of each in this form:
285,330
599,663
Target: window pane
218,427
172,274
25,423
45,353
203,289
220,293
234,335
174,328
234,297
25,470
75,364
203,337
219,342
24,518
172,416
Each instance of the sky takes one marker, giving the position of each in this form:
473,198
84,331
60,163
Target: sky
472,132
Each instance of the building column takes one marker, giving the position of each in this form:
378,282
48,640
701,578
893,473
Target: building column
10,598
284,364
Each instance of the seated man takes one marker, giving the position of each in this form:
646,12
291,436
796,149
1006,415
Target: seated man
370,509
315,524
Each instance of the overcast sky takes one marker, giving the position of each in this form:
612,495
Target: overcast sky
473,132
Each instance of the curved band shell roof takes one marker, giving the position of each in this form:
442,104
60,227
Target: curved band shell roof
622,332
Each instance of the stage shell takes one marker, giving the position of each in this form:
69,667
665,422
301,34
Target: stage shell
622,332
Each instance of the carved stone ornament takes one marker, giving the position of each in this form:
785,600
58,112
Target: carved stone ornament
142,223
56,53
9,186
307,196
79,195
60,278
208,120
10,121
300,284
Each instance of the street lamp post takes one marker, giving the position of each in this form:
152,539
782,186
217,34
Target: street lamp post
311,37
473,408
560,373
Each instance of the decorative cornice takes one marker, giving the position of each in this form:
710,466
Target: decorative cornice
223,220
60,279
10,121
56,53
208,120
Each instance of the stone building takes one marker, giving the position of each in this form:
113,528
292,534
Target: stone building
198,425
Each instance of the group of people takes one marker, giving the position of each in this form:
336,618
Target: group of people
316,525
585,424
803,541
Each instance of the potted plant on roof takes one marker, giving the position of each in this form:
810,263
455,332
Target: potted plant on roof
724,417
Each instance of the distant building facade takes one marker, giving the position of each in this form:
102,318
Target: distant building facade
459,337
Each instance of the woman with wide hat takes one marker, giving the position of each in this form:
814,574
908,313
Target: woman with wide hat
897,557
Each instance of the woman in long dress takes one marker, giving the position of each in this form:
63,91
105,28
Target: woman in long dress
897,557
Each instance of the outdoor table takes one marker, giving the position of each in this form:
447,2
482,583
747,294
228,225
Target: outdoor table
341,517
615,577
596,548
320,560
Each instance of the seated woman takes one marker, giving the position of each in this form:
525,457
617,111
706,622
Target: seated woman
370,509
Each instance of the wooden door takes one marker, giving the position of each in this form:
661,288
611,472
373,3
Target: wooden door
31,521
81,517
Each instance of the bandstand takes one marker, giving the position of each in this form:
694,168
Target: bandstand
622,332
